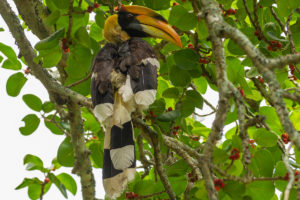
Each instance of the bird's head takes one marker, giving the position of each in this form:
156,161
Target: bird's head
138,21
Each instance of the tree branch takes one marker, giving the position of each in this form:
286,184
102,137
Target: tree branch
82,166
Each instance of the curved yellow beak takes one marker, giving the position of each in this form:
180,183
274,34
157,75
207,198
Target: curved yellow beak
153,24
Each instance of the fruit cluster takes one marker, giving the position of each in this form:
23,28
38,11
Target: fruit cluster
286,177
251,142
275,45
65,45
192,178
150,116
175,130
235,154
91,8
292,69
219,184
285,138
131,195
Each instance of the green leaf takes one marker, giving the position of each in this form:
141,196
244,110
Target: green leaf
179,77
34,191
201,84
195,98
234,189
171,93
8,52
187,108
34,163
32,122
49,57
260,190
61,187
68,182
285,7
65,153
83,37
53,126
271,118
295,116
186,59
265,138
11,64
51,41
234,48
178,184
280,170
28,181
158,106
52,18
182,19
33,102
157,4
15,83
48,107
266,3
179,168
99,18
96,154
96,32
61,4
262,163
169,116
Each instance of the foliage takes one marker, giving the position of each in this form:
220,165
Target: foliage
184,78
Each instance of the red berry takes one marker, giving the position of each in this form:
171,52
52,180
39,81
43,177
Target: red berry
116,8
27,71
235,154
170,109
286,177
260,6
256,33
261,80
96,5
279,45
242,92
270,48
90,9
219,184
292,68
190,175
231,11
47,180
294,77
136,195
285,135
204,61
175,132
190,46
251,141
192,180
95,138
273,42
175,4
67,50
154,116
183,0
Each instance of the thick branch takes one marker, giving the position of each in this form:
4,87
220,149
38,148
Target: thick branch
33,12
82,167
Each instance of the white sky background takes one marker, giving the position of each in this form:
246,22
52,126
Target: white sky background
42,143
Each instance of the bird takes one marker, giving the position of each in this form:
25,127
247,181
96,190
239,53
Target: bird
124,81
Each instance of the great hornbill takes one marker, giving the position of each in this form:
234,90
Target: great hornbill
124,80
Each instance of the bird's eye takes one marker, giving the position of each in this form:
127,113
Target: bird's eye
129,15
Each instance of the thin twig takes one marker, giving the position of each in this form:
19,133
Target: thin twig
80,81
